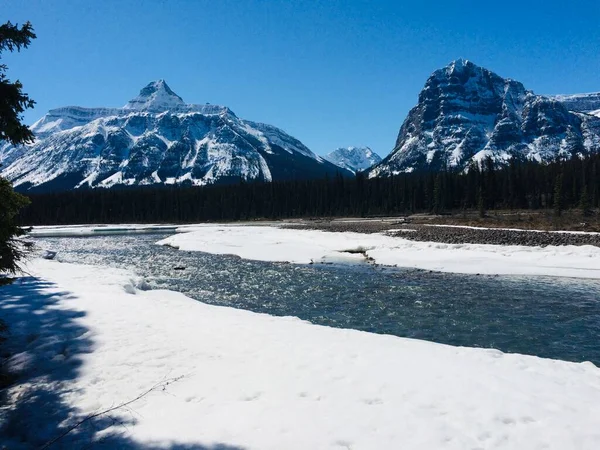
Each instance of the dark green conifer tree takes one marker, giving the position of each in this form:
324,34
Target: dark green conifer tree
584,202
558,195
12,104
481,203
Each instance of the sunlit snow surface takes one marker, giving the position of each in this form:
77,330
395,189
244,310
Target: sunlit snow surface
262,382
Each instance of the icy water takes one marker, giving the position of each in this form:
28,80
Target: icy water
549,317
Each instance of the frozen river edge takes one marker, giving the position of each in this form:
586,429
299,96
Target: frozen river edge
268,241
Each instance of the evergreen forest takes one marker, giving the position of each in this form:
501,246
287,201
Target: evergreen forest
559,185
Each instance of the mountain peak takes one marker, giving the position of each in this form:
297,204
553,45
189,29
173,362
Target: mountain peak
157,95
459,63
459,66
353,158
467,113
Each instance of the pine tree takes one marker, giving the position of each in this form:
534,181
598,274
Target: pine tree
12,104
10,249
437,194
481,203
584,202
558,195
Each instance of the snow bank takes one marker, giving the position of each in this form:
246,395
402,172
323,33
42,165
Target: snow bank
261,382
305,246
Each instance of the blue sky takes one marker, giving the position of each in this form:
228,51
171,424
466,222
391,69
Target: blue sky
331,73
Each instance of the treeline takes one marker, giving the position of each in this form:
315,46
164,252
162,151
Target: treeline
521,185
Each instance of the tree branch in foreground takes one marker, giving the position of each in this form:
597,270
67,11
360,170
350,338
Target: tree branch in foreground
161,385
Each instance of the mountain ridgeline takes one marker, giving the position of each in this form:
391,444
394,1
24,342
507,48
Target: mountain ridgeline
467,114
156,139
474,141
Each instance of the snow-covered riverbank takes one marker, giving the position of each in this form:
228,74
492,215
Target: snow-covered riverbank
91,340
305,246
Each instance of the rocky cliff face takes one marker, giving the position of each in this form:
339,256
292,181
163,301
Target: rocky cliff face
156,138
354,159
466,113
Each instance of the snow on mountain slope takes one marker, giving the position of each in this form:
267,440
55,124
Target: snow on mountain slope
354,159
156,138
467,113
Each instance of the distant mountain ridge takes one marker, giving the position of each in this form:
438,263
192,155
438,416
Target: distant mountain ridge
354,159
580,102
466,113
156,138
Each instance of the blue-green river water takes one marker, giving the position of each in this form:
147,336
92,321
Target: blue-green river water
549,317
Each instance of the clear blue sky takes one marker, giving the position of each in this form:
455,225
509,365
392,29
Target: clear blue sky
331,73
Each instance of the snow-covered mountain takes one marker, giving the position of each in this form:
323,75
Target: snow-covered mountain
354,159
467,113
156,138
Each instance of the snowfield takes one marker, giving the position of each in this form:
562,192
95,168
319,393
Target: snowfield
255,381
306,246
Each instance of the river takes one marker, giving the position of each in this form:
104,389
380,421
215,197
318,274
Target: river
544,316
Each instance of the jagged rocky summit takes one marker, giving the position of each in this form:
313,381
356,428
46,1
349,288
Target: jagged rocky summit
466,114
156,138
354,159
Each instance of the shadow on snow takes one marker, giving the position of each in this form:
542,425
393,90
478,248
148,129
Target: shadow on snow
43,355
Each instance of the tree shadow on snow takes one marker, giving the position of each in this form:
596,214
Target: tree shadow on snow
43,356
